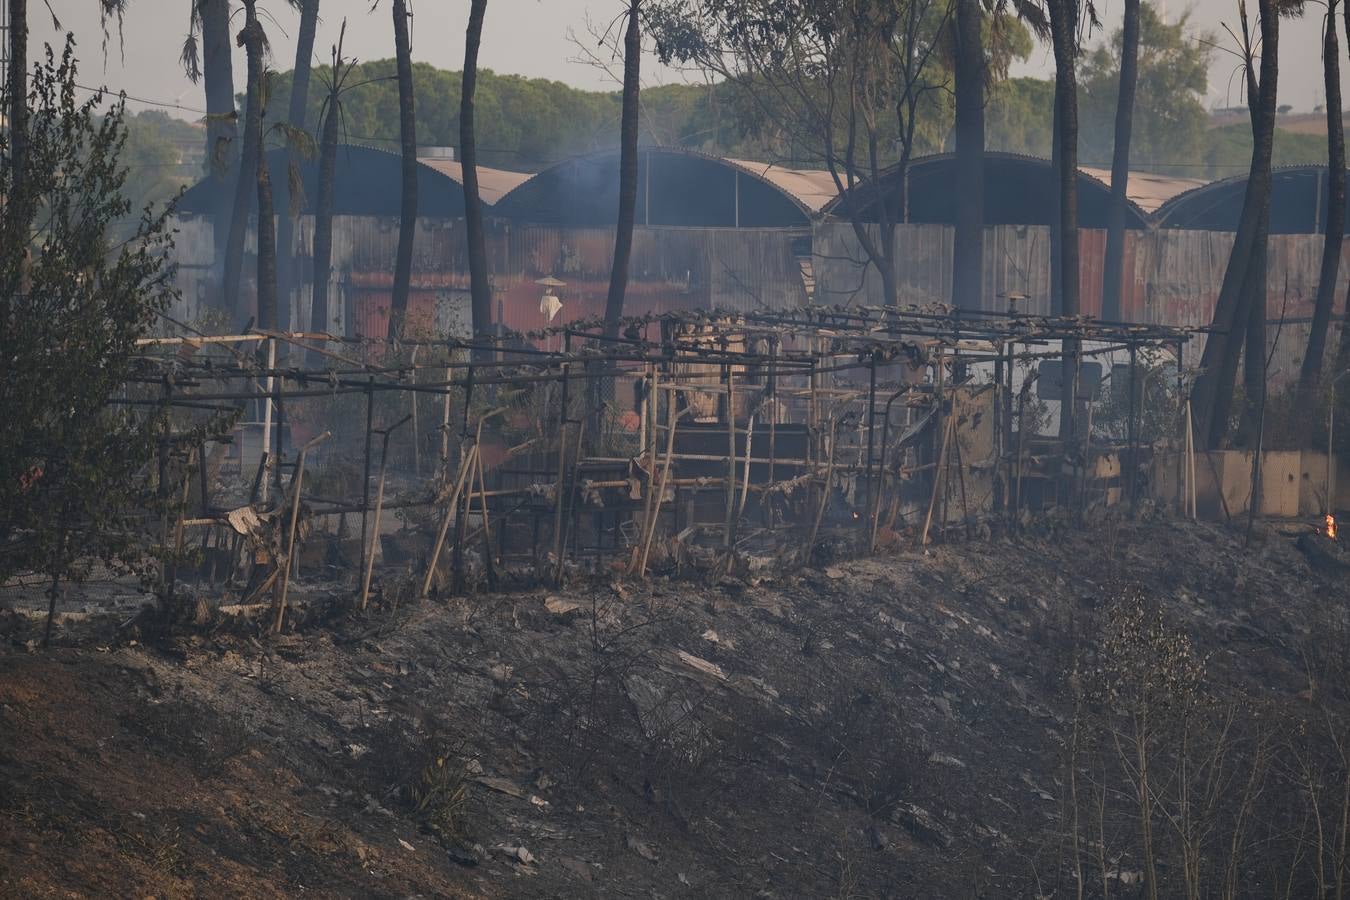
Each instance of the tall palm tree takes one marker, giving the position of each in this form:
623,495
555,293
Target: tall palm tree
210,61
1114,265
290,205
1212,399
479,290
330,117
17,84
628,169
1311,372
1063,16
407,128
253,40
968,251
250,164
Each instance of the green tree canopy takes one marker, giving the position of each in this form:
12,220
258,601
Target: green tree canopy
74,297
1170,119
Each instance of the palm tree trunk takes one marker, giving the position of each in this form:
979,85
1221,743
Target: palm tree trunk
250,163
17,84
252,39
323,210
628,170
1064,35
480,291
968,251
1343,346
1310,374
1254,337
1213,396
304,53
221,132
407,127
1113,268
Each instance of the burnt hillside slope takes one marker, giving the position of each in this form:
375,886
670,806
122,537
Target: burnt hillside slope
973,720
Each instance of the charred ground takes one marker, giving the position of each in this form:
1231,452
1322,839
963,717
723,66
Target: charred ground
898,726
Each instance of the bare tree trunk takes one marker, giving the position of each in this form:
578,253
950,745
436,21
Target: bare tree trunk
17,85
628,169
1113,268
407,129
251,162
1310,375
1064,34
221,132
479,290
323,208
1213,396
1254,337
968,251
251,37
290,207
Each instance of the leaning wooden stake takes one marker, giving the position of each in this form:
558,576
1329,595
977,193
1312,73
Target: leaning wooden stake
672,419
374,540
939,479
824,497
436,548
488,566
284,564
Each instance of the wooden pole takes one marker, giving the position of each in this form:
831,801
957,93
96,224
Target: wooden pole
672,419
824,497
728,536
488,567
450,506
284,564
379,508
939,479
417,441
267,407
445,427
365,478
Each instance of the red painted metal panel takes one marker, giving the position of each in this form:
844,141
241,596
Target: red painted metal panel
1091,259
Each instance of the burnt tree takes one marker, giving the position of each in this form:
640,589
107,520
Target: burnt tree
480,290
968,251
1213,396
1113,267
1063,16
407,131
295,118
628,168
1310,374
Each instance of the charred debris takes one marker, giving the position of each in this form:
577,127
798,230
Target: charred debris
691,443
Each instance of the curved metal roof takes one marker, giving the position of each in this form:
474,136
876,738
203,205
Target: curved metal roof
676,187
493,184
1297,203
1019,190
369,183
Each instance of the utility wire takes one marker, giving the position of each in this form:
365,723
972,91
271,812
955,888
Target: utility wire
167,105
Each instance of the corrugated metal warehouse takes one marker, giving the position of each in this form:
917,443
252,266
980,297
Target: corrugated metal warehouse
738,235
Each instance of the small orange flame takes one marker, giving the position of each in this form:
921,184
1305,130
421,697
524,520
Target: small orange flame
1330,526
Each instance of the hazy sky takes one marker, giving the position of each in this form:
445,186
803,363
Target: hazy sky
530,37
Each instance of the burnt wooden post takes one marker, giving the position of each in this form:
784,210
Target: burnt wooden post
871,413
379,505
562,457
365,479
462,514
1134,411
284,564
729,536
773,428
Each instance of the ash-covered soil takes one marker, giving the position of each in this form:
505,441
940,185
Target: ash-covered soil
890,727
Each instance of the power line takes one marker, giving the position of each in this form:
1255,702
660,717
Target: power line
162,103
